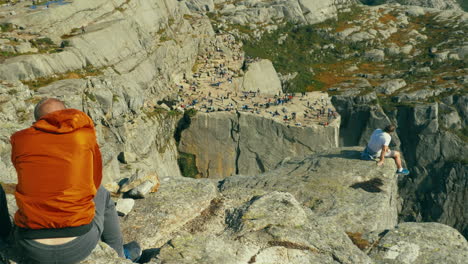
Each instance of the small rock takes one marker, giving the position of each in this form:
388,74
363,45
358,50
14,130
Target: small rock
164,106
142,190
372,31
415,11
424,69
112,187
463,52
391,86
25,47
361,36
352,68
454,56
393,50
345,33
375,55
442,56
7,48
451,120
138,178
282,38
407,49
127,157
124,206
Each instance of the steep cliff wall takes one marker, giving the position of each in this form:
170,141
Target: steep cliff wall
435,154
439,4
299,11
225,144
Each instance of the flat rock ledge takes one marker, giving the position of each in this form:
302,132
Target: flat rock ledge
324,208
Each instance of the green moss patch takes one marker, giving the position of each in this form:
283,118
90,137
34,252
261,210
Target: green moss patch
188,165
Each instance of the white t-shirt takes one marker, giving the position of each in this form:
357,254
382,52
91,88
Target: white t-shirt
378,139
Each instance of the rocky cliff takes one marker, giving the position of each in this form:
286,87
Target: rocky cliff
400,67
311,209
439,4
118,61
434,154
162,81
226,144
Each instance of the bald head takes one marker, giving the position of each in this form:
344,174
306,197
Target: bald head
47,105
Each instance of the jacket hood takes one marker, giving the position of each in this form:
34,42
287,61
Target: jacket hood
63,121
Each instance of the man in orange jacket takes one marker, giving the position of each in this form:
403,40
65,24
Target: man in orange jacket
62,209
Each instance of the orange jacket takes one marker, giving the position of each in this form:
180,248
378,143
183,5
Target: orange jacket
59,169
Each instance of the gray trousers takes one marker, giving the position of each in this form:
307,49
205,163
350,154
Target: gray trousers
105,227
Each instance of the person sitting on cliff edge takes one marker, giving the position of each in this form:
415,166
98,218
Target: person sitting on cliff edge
63,211
378,148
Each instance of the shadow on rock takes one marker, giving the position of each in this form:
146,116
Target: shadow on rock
346,154
372,185
148,254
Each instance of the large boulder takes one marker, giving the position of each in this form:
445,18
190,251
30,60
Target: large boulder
334,184
273,228
261,76
206,136
439,4
421,243
155,218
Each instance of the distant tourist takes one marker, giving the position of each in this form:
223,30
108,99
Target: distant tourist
378,148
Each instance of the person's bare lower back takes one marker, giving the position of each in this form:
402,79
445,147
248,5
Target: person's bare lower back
55,241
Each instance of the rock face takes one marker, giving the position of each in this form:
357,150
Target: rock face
302,11
178,201
274,228
365,194
439,4
254,219
421,243
200,5
250,144
261,76
391,86
118,77
359,117
291,197
436,188
440,172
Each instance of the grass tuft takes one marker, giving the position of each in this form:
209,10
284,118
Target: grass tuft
188,165
357,240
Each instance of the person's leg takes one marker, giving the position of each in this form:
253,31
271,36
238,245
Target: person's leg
107,221
5,222
397,158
